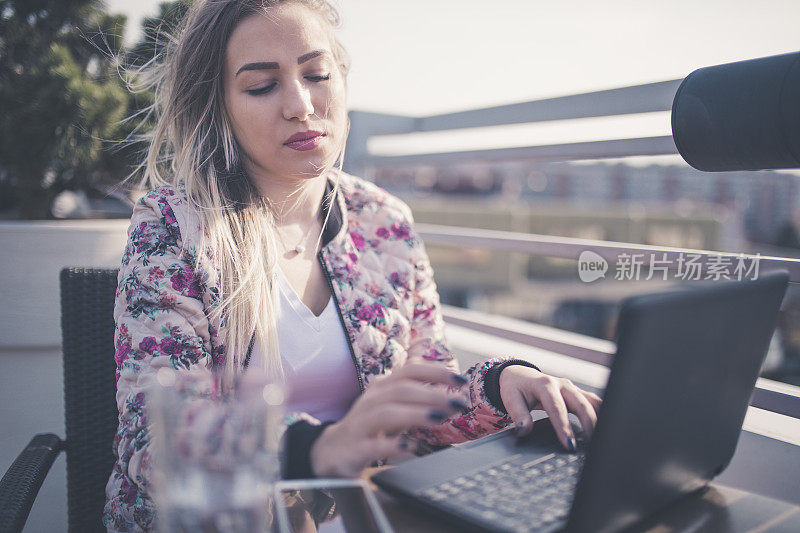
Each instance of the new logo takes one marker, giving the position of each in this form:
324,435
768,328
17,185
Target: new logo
591,266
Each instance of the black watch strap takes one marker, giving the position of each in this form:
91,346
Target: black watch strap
491,382
297,443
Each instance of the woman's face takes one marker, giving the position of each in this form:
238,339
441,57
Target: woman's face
281,79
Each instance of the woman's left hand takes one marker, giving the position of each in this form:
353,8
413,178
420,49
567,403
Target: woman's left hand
523,389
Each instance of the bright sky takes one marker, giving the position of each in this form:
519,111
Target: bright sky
420,57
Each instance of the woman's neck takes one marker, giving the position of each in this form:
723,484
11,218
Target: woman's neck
294,201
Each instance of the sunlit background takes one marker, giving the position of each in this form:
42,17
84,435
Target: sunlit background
417,58
422,58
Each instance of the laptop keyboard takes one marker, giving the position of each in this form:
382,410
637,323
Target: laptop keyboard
516,494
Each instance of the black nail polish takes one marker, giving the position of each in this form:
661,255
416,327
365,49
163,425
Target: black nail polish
437,416
459,380
458,405
571,444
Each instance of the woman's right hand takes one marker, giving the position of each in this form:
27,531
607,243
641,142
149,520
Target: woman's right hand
393,404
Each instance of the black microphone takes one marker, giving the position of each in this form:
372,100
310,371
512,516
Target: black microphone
740,116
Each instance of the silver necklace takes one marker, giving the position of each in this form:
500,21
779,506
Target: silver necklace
300,248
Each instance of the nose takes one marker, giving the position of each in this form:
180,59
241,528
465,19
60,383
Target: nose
297,102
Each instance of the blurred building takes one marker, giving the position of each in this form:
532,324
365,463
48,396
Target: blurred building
671,206
764,204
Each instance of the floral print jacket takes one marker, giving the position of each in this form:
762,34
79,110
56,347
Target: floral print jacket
382,283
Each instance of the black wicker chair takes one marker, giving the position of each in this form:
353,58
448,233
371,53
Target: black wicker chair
87,323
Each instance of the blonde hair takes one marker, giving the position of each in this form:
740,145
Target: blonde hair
193,142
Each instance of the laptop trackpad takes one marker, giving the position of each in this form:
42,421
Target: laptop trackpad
430,470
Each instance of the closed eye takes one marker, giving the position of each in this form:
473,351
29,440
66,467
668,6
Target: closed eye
262,90
269,88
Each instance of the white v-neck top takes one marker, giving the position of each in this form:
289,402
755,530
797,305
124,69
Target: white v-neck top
320,375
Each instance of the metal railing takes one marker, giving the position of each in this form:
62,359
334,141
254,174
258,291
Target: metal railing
571,248
653,97
648,98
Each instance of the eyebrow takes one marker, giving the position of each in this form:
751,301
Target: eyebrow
272,65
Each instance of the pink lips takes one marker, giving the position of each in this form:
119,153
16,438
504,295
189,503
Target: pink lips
306,140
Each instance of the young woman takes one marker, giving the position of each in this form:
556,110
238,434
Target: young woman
255,253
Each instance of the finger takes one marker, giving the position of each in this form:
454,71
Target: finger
392,418
593,398
428,372
414,392
552,401
400,446
383,447
517,408
363,453
578,403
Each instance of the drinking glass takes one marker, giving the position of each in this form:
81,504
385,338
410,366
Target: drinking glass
215,453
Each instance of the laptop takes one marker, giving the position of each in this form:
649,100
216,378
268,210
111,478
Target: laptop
680,384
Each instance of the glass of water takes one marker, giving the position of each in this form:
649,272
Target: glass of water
215,453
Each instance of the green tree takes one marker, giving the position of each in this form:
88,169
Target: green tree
63,99
123,154
59,96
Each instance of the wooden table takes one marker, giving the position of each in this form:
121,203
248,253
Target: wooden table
717,509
